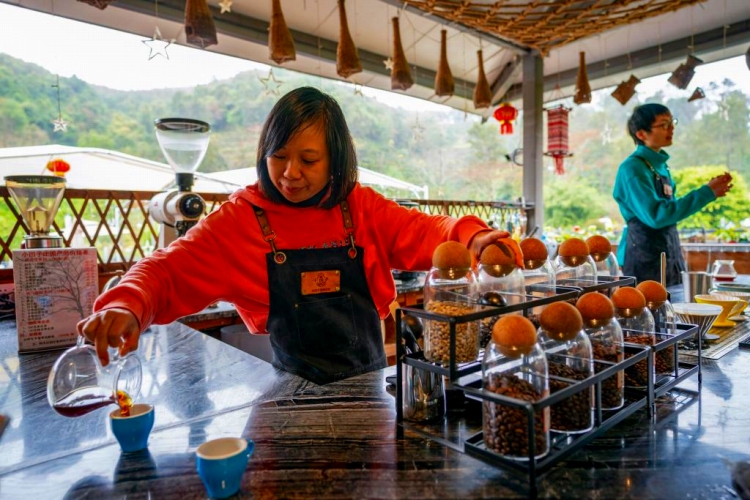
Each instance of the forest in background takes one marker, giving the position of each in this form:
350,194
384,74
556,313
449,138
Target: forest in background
456,155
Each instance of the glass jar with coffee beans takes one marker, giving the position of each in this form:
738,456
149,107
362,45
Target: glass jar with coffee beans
500,283
665,322
638,327
573,263
451,290
606,339
515,366
570,356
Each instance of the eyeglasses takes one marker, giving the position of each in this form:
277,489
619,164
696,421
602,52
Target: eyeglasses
666,125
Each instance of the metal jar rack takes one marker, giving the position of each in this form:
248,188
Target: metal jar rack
466,378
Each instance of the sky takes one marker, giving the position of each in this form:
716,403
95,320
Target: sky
132,70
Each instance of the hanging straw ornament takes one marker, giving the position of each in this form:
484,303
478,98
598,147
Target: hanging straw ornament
681,77
400,73
557,136
626,90
583,89
347,57
482,91
697,94
280,41
99,4
199,24
444,85
505,114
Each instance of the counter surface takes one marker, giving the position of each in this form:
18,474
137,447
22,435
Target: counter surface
339,440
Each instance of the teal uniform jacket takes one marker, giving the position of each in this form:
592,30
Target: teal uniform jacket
636,195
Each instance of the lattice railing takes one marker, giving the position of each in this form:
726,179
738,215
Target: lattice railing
117,222
504,215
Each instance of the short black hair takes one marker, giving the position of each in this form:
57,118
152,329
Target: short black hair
294,112
643,118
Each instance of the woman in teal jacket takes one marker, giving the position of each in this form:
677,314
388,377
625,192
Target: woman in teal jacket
647,197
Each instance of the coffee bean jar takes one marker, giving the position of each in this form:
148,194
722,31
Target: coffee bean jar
515,369
607,343
665,322
576,268
638,328
570,356
450,292
498,275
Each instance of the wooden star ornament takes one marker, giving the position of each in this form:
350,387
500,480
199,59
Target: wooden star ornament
271,84
226,6
157,45
388,64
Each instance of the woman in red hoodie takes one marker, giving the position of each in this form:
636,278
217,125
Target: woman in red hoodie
304,254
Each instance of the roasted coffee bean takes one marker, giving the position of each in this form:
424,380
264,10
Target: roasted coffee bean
572,414
437,336
637,375
485,330
505,427
613,388
664,361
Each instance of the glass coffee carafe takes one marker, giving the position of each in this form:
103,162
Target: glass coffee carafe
79,384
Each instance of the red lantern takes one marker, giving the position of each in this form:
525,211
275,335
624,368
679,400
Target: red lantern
58,167
505,114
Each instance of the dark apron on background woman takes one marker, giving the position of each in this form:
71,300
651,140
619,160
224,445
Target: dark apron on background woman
646,244
323,323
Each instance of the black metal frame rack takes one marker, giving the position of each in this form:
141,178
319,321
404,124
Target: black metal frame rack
561,445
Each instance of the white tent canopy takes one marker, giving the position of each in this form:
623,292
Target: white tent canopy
94,168
245,176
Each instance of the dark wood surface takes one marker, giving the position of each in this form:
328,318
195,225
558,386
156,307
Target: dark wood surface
339,440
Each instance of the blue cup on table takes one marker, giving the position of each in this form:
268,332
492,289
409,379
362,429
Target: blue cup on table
221,463
132,431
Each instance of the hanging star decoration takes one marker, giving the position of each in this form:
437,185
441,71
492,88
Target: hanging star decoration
388,64
226,6
60,124
606,134
358,89
157,45
271,84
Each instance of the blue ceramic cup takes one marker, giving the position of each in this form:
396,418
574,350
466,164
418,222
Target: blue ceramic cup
132,432
221,463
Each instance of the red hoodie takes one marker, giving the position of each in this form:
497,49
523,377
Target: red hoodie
223,256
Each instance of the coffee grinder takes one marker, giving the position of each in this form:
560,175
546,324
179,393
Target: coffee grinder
184,143
55,287
38,198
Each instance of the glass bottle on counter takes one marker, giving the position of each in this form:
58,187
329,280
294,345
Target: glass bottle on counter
569,355
451,290
573,264
537,268
638,327
500,283
600,250
514,366
607,344
665,324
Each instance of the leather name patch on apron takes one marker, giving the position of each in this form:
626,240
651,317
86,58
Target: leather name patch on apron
320,282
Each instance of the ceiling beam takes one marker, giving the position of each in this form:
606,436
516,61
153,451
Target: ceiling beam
500,42
738,33
505,79
256,30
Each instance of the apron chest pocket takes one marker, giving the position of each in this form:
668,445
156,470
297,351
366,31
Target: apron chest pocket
326,326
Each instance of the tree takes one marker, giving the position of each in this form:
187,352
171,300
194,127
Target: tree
734,207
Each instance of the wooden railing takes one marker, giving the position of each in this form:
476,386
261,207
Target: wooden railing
118,225
115,222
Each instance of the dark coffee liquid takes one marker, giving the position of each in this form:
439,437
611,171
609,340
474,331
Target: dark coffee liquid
83,401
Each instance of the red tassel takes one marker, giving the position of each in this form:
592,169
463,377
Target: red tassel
559,166
506,128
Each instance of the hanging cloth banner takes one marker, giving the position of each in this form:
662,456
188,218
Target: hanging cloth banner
557,136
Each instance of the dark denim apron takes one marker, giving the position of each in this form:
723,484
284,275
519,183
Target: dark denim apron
646,244
322,320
